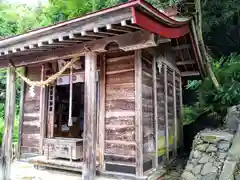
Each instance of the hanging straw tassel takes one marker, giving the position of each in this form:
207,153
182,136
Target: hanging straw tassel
70,123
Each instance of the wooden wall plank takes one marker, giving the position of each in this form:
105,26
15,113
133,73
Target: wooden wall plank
120,106
119,92
31,114
119,78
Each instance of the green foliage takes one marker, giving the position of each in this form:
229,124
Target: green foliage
190,114
15,127
216,102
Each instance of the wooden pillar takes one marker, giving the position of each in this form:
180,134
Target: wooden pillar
8,124
138,114
90,119
181,114
175,114
155,107
102,97
21,115
42,113
166,111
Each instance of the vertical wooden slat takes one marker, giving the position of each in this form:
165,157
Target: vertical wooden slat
166,111
175,114
90,119
42,110
181,114
51,111
102,110
8,124
21,115
155,107
138,113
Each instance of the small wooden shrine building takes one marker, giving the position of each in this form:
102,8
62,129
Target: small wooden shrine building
102,93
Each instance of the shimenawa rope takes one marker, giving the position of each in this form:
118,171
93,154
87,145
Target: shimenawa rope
51,78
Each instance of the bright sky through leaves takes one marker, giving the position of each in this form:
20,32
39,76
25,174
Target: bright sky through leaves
28,2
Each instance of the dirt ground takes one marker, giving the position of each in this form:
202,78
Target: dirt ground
26,171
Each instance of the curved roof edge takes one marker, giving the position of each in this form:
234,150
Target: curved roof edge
172,21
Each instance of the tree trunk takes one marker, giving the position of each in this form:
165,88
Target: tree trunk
198,20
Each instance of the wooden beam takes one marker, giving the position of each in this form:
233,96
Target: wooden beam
76,37
8,124
103,33
129,41
155,107
118,28
125,23
181,47
56,42
102,109
47,45
21,114
138,114
90,119
190,73
92,34
180,63
166,111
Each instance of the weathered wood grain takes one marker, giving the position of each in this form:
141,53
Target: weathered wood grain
8,124
32,106
147,80
139,115
122,64
119,158
31,113
121,149
122,104
120,101
125,77
90,116
124,92
122,134
23,86
102,109
29,129
30,140
119,113
155,107
124,120
42,111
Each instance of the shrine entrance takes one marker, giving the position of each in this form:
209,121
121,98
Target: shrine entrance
63,142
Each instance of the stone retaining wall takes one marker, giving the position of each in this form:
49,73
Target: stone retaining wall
209,153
